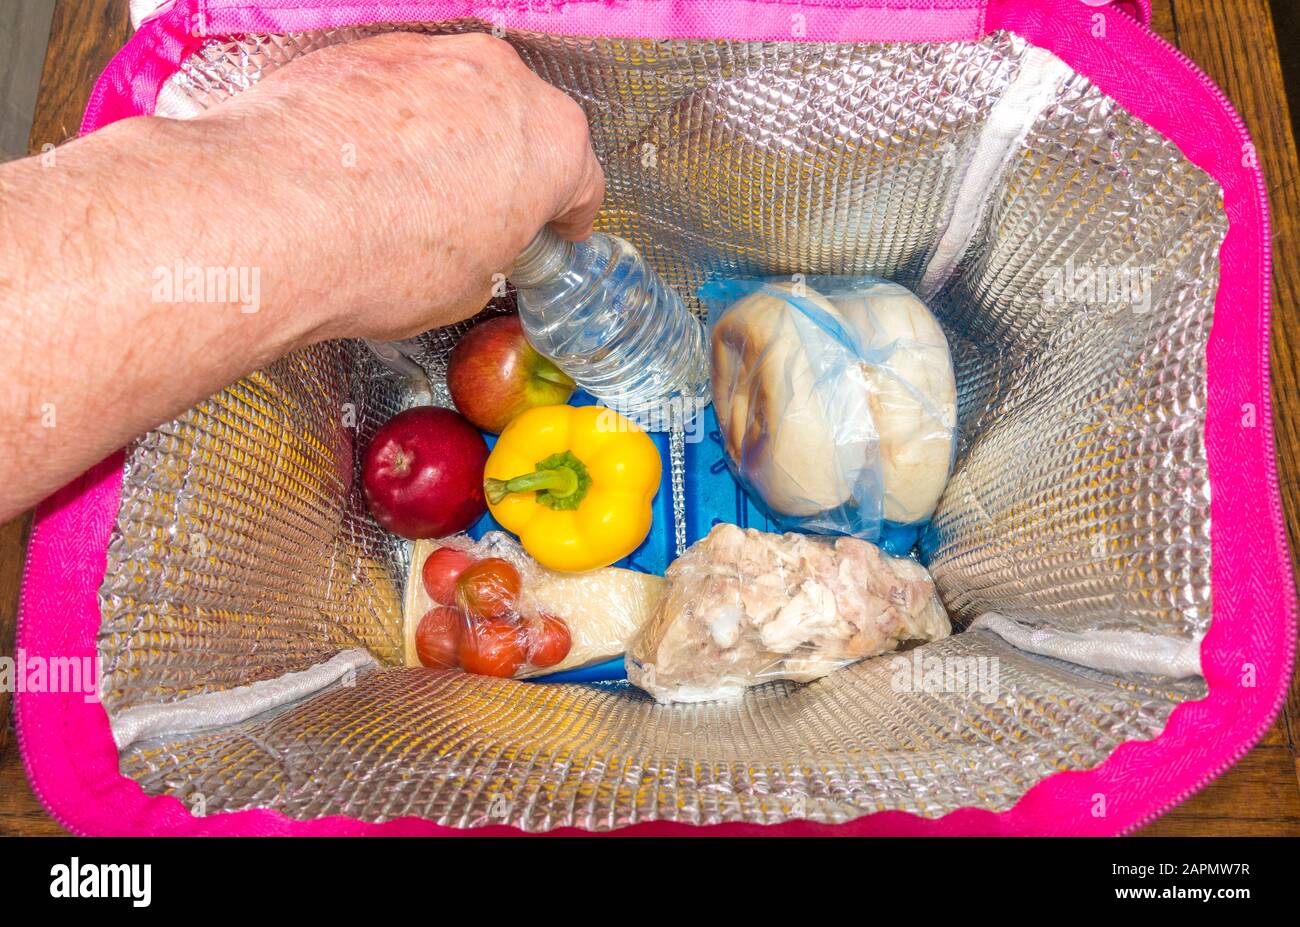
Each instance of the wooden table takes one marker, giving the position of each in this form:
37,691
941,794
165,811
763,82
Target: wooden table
1233,40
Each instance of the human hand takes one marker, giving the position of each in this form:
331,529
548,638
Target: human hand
400,174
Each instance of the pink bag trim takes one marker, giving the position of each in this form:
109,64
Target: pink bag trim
1138,9
65,740
130,84
756,20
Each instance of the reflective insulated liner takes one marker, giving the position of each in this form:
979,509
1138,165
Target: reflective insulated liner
1068,251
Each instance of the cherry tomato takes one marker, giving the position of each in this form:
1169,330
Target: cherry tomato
440,572
489,589
438,636
492,648
548,640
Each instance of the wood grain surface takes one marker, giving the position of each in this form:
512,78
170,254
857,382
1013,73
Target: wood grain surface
1232,40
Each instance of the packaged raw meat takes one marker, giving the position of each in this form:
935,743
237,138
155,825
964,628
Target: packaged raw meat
489,608
745,607
836,400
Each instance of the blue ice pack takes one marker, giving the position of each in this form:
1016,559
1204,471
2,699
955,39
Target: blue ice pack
712,496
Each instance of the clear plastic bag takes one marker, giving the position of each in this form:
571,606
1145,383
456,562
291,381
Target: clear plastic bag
836,400
511,616
744,607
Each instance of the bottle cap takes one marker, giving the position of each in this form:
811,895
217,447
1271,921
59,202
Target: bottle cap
544,258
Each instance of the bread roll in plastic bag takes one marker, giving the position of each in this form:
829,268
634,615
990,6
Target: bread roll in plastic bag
514,617
744,607
835,398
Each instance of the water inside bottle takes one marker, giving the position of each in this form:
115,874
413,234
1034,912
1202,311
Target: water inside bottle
612,323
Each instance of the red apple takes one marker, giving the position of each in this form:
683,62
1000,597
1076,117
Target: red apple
423,473
494,374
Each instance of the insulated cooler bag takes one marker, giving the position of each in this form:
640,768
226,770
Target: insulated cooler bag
1082,210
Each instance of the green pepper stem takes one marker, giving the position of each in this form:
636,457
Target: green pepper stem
560,482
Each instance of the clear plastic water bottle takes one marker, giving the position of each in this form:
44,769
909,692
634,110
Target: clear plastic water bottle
609,321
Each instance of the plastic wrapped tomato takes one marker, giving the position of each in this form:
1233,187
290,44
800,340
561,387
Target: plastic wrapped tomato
487,607
475,620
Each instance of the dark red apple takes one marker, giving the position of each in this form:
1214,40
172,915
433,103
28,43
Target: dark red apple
494,374
423,473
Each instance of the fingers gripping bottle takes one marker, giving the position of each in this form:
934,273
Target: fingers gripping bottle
609,321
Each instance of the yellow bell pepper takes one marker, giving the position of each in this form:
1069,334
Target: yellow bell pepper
575,484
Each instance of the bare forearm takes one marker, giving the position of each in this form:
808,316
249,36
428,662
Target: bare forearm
116,309
369,190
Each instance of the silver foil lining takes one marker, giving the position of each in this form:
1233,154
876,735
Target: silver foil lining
1078,318
470,752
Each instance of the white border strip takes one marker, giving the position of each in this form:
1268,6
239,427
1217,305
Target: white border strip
1109,651
146,9
1034,87
230,706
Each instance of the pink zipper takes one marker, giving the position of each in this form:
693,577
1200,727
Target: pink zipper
1261,190
20,729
